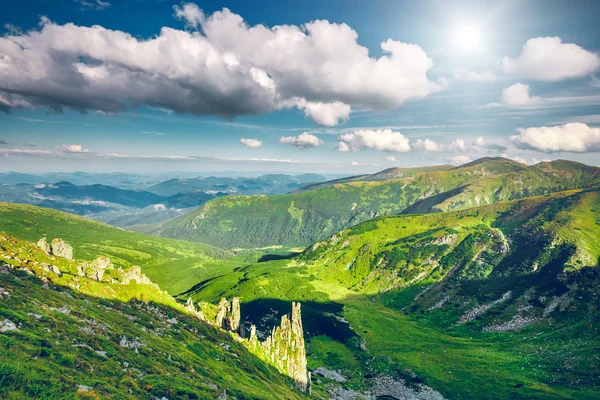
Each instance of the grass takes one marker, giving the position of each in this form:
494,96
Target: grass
173,264
300,219
79,354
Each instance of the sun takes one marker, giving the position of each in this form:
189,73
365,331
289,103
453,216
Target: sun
467,37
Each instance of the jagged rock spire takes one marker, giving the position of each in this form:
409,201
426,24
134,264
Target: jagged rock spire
286,350
228,315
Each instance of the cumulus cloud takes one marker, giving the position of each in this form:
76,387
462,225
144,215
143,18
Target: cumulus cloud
518,95
252,143
391,159
464,74
73,148
223,68
458,145
428,145
327,114
549,59
458,160
355,164
573,138
382,140
302,141
190,13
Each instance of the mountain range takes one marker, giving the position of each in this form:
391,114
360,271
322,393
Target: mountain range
478,281
299,219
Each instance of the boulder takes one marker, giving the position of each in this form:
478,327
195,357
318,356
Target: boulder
95,269
43,244
61,248
7,325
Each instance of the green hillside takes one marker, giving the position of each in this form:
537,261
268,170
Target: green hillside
498,301
67,336
302,218
175,265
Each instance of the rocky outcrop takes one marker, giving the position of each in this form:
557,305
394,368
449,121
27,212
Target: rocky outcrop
58,248
228,315
43,244
61,248
95,269
191,308
285,349
134,274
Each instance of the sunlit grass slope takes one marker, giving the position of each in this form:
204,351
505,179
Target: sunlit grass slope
300,219
173,264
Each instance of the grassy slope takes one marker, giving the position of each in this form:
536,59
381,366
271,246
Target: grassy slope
174,265
303,218
48,357
545,360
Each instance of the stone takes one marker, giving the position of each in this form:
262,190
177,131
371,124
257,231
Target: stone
4,293
95,269
222,310
61,248
36,316
52,268
135,274
285,348
7,326
228,315
43,244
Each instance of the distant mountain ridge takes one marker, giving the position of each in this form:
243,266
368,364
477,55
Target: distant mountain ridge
301,218
264,184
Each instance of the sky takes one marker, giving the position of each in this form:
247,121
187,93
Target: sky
334,87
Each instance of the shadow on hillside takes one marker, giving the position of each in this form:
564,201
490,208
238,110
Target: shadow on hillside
150,316
275,257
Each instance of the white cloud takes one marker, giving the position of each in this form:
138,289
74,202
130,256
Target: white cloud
382,140
458,145
73,148
573,137
355,164
458,160
464,74
518,95
520,160
391,159
252,143
190,13
428,145
302,141
327,114
224,68
548,59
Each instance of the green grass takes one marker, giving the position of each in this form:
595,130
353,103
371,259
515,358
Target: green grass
49,357
173,264
300,219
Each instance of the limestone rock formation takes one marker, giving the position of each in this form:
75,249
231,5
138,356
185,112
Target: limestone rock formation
228,315
135,274
95,269
61,248
285,349
43,244
191,308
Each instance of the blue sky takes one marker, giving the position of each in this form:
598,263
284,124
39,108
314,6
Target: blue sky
457,81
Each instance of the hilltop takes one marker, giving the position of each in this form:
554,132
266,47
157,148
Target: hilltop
299,219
